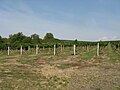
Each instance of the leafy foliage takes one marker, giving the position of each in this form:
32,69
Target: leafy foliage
48,36
18,39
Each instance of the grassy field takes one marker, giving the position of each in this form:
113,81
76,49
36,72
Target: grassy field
84,71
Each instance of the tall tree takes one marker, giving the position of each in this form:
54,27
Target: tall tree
35,39
16,38
48,36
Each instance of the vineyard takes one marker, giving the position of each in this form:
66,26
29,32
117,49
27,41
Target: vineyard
59,44
60,68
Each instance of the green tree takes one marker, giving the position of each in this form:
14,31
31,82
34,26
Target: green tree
3,44
0,39
76,42
48,36
35,39
27,40
16,38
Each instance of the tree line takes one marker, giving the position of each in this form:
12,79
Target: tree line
18,39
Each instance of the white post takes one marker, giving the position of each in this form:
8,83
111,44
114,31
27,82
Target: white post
8,50
98,49
21,50
74,47
36,49
61,48
54,49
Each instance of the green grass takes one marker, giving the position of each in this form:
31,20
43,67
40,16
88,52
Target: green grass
114,56
87,55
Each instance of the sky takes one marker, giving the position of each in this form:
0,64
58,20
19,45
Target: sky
85,20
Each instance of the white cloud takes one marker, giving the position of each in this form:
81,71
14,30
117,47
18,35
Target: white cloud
104,38
19,17
16,21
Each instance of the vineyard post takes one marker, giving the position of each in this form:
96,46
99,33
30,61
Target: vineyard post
8,50
98,49
54,49
21,50
36,49
61,48
74,47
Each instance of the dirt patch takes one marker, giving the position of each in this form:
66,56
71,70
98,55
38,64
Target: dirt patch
49,71
16,64
95,78
96,74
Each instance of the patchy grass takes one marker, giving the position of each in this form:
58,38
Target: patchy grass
114,56
24,72
54,58
28,59
22,78
64,66
88,55
19,77
3,60
57,82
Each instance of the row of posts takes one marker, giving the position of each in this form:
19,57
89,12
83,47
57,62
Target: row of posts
37,48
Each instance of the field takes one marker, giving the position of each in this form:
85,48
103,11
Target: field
63,71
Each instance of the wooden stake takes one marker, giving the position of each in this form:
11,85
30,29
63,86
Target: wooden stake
21,50
61,48
8,50
36,49
74,47
54,49
98,49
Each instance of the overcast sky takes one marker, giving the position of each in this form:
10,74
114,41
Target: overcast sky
66,19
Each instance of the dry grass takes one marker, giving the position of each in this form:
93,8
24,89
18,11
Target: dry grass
60,72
